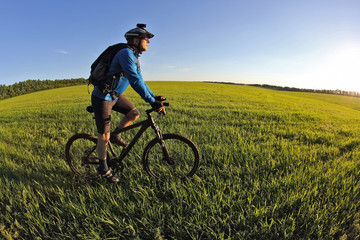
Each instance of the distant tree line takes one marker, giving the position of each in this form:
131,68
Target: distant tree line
337,92
36,85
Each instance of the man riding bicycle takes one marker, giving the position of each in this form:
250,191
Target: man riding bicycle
125,61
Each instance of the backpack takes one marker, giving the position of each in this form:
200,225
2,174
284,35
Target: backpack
100,67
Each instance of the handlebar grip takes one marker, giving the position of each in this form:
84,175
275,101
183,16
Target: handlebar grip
151,110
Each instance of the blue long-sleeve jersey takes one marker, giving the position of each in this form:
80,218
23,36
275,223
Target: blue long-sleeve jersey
127,62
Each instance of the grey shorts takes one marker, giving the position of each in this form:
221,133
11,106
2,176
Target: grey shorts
102,111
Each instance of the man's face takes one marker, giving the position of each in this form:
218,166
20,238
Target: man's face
144,44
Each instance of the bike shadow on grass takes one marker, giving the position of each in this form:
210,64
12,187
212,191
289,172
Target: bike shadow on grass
17,174
48,180
34,177
21,171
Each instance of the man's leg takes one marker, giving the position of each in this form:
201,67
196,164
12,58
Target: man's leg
126,107
102,111
129,118
101,146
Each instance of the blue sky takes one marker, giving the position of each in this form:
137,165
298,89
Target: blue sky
306,44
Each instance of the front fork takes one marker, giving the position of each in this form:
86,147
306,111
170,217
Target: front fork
165,151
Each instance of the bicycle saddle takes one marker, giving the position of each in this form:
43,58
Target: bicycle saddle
90,109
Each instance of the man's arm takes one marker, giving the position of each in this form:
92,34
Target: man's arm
126,59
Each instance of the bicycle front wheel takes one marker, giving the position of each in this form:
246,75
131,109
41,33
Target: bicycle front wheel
178,157
81,155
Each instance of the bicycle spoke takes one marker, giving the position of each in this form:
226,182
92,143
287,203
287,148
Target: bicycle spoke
81,155
184,158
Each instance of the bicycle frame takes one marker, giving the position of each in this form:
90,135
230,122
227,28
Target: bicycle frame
145,124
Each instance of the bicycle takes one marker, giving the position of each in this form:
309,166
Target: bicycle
165,156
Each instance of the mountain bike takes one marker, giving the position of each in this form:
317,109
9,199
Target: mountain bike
166,156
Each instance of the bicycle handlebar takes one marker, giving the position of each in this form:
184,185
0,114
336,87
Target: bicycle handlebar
153,109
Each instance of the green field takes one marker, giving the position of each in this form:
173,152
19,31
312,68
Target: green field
275,165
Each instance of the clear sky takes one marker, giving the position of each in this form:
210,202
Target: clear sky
304,43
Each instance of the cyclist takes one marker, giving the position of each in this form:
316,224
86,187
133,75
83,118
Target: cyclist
126,61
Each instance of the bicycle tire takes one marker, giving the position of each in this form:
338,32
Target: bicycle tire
81,154
182,150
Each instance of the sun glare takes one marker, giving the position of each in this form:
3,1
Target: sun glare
340,69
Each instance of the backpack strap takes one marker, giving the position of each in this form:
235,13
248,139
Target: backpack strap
135,53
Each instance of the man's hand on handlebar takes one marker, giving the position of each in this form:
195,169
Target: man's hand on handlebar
160,98
158,105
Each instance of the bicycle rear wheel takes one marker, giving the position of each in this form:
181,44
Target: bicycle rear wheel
183,153
81,155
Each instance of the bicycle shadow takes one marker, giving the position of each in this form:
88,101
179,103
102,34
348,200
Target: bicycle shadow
44,179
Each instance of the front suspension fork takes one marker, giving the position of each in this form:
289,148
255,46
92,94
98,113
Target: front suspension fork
165,151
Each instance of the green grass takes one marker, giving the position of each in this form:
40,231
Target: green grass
275,165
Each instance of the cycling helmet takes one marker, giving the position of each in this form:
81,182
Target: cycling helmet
139,31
